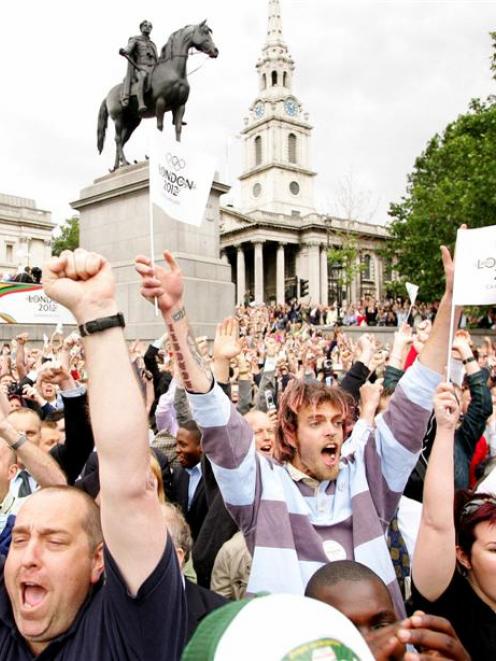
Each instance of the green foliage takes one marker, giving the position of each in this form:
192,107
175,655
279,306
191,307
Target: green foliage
347,257
68,238
453,182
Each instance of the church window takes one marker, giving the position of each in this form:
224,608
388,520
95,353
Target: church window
274,78
257,189
294,187
367,267
258,150
264,81
284,79
292,148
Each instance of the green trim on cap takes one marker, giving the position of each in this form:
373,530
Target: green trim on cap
203,644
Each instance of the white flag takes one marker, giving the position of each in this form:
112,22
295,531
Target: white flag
412,292
475,267
180,179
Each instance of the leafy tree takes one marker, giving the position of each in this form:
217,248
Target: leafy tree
453,182
68,239
346,257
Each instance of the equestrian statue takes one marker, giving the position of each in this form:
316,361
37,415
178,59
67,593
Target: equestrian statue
153,84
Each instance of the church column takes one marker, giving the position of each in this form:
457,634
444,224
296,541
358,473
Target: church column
378,277
324,278
259,272
280,273
240,275
314,272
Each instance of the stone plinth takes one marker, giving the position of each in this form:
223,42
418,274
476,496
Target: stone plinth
114,221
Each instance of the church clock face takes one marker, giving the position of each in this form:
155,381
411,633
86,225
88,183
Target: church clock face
291,107
259,110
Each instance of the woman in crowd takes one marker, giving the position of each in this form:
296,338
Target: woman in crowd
454,565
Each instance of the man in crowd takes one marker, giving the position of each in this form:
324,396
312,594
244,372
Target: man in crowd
363,597
52,598
338,510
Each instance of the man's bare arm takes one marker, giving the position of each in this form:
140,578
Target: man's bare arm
167,286
133,526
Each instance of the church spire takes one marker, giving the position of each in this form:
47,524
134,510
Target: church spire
274,28
275,66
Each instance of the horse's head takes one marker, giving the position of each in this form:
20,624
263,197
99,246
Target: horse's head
201,39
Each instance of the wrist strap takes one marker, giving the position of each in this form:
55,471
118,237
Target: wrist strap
471,359
20,441
101,324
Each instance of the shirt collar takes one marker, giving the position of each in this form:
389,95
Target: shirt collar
194,469
298,476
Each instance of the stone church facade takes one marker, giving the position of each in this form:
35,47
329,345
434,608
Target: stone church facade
276,237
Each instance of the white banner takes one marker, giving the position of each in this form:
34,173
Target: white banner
180,179
28,304
412,291
475,267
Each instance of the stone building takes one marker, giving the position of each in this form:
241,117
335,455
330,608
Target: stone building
276,236
25,233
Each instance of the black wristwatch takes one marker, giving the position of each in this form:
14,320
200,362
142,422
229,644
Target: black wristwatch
97,325
470,359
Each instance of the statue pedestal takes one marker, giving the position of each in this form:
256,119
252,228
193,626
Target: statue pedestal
114,221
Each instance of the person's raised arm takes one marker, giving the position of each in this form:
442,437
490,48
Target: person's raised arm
38,463
434,560
434,354
167,287
20,360
134,528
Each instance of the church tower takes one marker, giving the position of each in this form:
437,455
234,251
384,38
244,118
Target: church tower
276,173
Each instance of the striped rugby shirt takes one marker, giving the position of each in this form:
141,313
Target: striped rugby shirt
292,524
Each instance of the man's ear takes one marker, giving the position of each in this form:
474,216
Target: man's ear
97,564
12,471
463,559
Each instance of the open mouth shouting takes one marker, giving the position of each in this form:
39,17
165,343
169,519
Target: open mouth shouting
330,454
32,596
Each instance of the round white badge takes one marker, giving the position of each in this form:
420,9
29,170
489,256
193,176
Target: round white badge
334,550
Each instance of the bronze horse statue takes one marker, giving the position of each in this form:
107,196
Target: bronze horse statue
167,89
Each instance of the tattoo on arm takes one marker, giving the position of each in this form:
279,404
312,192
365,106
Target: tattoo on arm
181,363
180,314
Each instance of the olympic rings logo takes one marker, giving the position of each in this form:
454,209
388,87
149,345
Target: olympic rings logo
176,162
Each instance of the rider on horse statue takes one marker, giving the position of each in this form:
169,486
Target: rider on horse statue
141,54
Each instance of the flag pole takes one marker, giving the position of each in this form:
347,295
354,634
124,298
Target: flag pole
450,341
152,233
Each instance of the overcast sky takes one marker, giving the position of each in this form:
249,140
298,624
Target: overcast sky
378,79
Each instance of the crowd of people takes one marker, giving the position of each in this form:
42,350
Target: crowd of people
390,312
148,494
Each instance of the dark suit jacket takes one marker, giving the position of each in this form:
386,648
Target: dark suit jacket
200,602
199,507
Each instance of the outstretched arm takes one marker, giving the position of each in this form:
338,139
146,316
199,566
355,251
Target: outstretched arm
133,526
434,560
167,286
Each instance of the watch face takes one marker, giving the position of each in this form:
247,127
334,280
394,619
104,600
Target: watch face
291,107
259,110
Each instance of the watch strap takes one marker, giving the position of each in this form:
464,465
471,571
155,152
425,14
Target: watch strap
470,359
101,324
22,438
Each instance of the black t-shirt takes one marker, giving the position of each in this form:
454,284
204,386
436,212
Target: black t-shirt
111,625
473,620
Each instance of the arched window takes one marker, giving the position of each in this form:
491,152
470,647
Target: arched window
274,78
258,150
264,81
367,268
284,79
292,148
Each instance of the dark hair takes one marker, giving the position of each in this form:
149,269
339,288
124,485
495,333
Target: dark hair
192,427
470,510
340,570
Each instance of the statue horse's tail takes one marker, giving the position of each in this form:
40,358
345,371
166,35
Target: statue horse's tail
102,125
